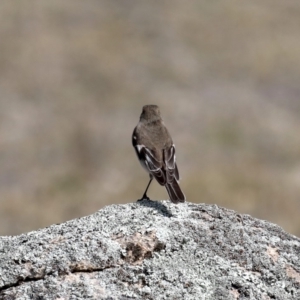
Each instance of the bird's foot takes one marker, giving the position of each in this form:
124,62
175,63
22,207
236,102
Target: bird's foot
145,197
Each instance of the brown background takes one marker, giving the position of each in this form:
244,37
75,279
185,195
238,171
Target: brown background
75,74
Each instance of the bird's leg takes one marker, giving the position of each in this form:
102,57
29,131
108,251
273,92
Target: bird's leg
145,193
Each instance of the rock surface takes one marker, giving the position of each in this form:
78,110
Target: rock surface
153,250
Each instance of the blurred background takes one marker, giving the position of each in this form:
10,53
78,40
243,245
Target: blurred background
75,74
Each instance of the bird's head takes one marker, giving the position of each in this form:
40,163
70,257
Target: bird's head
150,113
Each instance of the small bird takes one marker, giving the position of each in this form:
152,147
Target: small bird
156,152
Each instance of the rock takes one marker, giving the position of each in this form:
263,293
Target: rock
153,250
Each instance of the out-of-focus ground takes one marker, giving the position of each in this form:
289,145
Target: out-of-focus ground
75,74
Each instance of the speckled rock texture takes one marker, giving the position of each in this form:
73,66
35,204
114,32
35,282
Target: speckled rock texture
153,250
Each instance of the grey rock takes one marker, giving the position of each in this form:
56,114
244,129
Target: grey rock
153,250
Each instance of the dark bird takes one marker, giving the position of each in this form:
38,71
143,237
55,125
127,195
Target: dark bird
156,152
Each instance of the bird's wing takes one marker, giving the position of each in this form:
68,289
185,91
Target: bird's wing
151,163
171,166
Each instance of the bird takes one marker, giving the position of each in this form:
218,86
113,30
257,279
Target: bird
156,152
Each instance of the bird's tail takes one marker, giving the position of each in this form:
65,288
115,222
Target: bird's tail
175,193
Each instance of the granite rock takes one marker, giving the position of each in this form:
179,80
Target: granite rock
153,250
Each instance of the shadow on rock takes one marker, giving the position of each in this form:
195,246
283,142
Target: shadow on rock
160,207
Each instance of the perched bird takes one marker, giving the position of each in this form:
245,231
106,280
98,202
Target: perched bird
156,152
